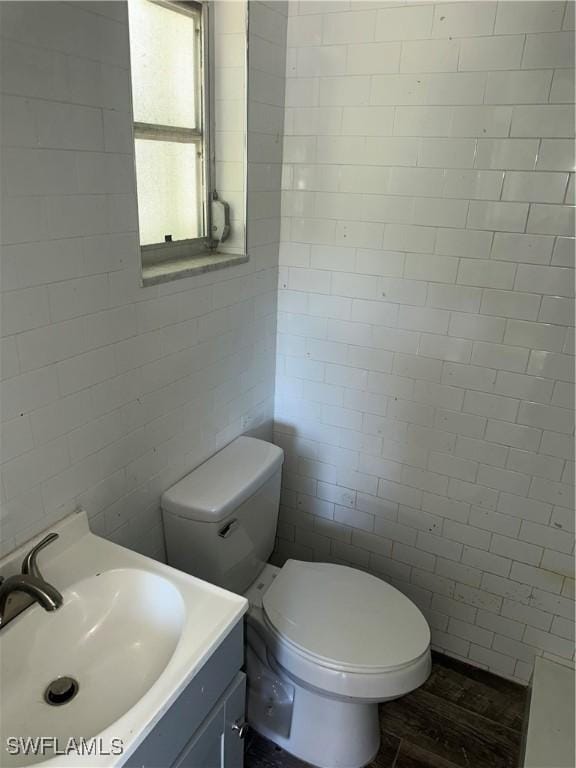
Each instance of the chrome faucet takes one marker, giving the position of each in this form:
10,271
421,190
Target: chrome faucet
20,591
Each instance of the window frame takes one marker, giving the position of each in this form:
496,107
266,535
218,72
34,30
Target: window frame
203,136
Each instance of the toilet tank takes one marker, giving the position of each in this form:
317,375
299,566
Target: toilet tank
220,520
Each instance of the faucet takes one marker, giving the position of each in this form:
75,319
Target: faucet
29,585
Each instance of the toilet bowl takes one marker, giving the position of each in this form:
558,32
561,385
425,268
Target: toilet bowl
343,641
325,643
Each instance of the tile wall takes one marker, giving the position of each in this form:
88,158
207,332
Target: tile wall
425,330
111,392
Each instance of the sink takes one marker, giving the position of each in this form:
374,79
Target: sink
114,635
131,633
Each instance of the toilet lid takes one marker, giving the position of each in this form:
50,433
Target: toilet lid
344,618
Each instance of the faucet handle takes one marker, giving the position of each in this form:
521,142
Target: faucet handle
29,565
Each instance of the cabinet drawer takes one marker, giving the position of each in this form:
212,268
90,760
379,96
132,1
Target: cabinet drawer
168,738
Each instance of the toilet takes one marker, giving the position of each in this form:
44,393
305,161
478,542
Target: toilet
325,643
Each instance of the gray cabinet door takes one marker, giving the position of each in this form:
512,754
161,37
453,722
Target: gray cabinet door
218,742
206,749
234,720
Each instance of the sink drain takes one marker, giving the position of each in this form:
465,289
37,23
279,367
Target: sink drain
61,691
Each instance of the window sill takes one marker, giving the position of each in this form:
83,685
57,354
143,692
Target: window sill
177,269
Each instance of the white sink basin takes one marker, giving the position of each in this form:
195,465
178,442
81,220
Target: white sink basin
131,632
114,634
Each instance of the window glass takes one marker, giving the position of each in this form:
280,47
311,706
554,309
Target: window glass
168,178
164,51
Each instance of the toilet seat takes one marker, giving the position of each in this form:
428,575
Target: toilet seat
343,630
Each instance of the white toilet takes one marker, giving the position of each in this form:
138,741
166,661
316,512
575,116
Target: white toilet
325,643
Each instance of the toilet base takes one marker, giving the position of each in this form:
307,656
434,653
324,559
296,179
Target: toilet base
324,731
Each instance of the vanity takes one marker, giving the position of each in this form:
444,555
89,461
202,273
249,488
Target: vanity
139,667
211,708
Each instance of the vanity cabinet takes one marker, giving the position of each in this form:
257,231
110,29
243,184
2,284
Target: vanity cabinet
203,728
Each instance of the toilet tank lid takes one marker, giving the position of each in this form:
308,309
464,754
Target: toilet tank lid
214,489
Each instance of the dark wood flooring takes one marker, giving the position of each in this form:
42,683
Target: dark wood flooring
462,717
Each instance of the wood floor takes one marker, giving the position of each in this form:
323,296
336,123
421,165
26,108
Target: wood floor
462,717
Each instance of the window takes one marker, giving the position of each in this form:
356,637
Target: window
169,49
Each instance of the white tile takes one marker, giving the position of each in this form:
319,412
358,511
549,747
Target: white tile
462,20
516,550
441,269
78,297
476,185
546,280
483,53
504,217
403,291
546,121
464,243
551,219
423,319
531,249
546,536
9,364
562,91
446,348
556,309
481,121
486,273
535,335
366,121
357,27
481,451
304,30
556,155
516,87
514,435
500,356
446,153
452,466
524,306
429,56
554,444
454,297
386,263
325,60
42,463
410,23
536,577
438,394
510,154
470,326
529,17
423,121
51,343
535,187
489,520
486,561
524,387
545,417
460,423
16,438
344,91
24,309
551,365
554,49
373,58
491,406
